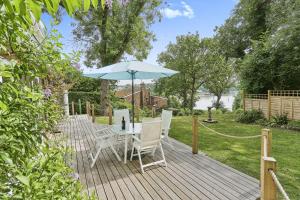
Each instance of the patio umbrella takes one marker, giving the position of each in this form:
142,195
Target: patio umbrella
131,70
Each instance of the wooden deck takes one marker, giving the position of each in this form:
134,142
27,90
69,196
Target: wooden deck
187,176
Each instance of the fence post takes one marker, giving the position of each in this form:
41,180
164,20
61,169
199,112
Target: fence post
195,135
79,106
268,187
244,101
87,107
73,108
153,111
137,114
93,113
266,144
269,105
110,115
266,134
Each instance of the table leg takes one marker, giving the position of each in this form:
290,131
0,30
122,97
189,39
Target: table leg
125,150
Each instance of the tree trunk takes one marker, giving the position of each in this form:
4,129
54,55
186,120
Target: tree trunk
192,101
185,100
218,101
104,96
192,95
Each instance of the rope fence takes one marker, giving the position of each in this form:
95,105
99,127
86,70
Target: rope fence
269,183
230,136
279,186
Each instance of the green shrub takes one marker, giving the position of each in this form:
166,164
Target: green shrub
280,120
173,102
250,116
198,112
294,125
237,103
224,110
238,111
184,112
145,112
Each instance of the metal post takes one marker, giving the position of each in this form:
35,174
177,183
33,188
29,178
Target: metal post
132,97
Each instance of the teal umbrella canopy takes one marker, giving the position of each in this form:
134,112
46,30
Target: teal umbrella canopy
131,70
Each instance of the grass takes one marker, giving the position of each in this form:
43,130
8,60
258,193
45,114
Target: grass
243,154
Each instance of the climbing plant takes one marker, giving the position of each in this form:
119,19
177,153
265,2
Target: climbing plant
34,71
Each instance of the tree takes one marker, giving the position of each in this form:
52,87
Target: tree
188,56
247,22
110,33
220,70
220,77
265,35
274,62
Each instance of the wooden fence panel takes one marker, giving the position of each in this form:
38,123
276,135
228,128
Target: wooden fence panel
281,102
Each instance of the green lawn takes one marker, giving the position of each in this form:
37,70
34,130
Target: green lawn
243,154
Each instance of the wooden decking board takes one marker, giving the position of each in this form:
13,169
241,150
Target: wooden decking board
144,182
136,183
79,156
209,182
223,181
234,177
106,187
128,182
234,183
94,171
156,181
180,188
186,177
195,184
83,146
215,164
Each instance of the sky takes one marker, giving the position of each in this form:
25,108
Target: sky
179,17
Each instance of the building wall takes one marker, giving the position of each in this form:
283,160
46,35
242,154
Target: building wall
143,98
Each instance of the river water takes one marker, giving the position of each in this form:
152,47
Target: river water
207,100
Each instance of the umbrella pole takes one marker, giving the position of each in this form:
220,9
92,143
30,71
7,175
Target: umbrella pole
132,98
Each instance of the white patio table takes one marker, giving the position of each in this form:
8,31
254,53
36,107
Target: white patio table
127,133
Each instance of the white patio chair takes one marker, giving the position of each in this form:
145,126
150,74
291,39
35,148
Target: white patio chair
103,138
150,139
118,116
166,117
117,121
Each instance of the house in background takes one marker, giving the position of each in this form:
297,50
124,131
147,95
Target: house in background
142,97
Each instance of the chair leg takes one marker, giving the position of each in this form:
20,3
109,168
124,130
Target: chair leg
113,149
153,151
95,158
140,159
162,154
170,143
131,153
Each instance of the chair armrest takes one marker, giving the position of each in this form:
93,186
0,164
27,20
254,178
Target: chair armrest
102,129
